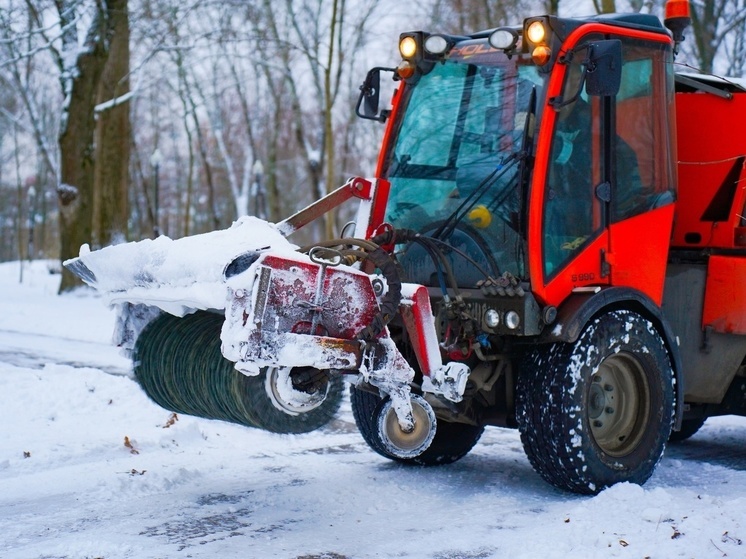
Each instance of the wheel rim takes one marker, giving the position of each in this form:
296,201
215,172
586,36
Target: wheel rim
408,444
286,398
619,404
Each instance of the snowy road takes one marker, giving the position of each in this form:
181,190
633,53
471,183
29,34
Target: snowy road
71,488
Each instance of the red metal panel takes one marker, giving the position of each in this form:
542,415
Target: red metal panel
638,251
418,319
343,306
709,144
378,211
725,295
582,271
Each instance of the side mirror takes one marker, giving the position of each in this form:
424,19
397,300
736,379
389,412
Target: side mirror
370,94
603,74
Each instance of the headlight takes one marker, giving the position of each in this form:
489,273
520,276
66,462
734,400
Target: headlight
536,32
492,318
512,320
436,44
503,39
408,47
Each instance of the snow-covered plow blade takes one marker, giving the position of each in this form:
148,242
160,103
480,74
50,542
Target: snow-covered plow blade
176,276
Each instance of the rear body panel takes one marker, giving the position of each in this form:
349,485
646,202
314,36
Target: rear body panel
725,295
712,170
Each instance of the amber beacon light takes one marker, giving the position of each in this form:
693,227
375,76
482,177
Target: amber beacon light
677,18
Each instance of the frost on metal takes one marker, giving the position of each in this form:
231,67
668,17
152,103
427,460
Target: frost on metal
385,367
296,311
131,320
287,309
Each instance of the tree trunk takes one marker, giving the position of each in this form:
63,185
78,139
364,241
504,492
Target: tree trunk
270,170
76,188
705,19
110,212
75,192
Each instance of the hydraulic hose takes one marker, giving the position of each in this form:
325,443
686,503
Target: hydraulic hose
390,302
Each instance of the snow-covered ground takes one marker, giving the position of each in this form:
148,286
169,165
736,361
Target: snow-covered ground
71,488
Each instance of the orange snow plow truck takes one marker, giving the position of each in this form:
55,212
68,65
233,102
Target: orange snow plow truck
554,241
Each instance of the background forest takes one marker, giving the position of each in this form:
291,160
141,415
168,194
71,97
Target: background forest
124,119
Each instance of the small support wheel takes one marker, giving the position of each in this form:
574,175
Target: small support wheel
406,444
452,441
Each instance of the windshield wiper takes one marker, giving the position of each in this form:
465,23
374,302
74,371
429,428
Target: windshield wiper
448,226
522,156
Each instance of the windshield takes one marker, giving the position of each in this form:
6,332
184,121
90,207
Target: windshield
455,164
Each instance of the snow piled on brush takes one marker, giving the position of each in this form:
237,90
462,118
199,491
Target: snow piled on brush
179,275
89,467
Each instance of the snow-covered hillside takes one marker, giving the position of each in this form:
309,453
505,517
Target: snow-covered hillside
90,468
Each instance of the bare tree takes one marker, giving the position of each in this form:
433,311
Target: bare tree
468,16
736,51
604,6
112,135
714,23
19,44
312,39
76,35
81,70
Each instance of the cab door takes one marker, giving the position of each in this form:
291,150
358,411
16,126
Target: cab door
606,201
575,191
642,159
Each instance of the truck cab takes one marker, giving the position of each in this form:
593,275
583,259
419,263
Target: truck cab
505,153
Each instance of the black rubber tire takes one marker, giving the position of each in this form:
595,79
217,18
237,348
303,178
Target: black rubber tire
598,411
689,428
178,363
452,441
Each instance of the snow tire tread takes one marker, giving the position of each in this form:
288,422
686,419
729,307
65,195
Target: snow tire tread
551,399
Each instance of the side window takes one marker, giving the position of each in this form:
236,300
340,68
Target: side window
639,182
574,169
